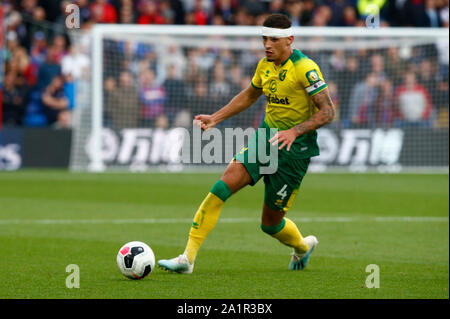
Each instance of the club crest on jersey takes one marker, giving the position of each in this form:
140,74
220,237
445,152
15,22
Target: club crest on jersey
273,86
312,76
282,75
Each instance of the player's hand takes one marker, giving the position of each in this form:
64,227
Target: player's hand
285,138
204,121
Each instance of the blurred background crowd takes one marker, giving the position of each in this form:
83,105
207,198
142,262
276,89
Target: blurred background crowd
371,88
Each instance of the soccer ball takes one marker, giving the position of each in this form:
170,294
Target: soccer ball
135,260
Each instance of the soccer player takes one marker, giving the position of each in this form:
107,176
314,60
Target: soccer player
298,103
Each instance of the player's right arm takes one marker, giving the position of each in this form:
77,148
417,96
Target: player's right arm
238,104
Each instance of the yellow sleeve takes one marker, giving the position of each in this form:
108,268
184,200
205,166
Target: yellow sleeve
256,80
310,77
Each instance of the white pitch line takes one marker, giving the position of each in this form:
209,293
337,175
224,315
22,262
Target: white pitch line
223,220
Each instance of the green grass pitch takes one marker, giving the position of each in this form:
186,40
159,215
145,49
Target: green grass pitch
50,219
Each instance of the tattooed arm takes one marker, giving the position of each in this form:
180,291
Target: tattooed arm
324,116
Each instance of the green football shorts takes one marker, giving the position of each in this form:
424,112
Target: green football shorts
282,186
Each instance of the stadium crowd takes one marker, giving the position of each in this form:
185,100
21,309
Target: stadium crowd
371,88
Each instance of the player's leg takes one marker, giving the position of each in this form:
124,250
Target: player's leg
232,180
274,223
281,189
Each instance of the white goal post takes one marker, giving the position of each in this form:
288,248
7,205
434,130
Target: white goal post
411,124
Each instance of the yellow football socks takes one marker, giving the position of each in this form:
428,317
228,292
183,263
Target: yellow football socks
287,233
206,217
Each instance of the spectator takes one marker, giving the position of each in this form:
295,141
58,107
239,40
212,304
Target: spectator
38,50
377,64
362,102
15,27
322,16
244,17
346,80
150,14
75,63
36,23
176,93
395,66
200,13
25,68
427,77
413,103
12,44
365,6
226,9
56,104
179,10
49,69
200,102
123,104
34,62
422,13
276,6
349,17
219,90
295,10
173,55
235,79
167,12
127,15
442,106
444,14
60,45
432,17
251,8
109,87
85,12
308,12
218,19
14,101
103,12
385,105
152,96
337,11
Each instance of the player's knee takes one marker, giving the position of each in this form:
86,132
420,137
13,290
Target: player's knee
236,176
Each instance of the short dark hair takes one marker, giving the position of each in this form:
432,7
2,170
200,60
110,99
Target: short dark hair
277,20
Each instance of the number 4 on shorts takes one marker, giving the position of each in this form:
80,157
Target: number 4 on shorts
282,192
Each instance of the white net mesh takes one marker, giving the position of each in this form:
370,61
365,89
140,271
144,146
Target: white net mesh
390,90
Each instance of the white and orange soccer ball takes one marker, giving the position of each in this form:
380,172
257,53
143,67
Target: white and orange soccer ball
135,260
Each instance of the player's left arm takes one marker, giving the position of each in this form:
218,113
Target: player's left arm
325,115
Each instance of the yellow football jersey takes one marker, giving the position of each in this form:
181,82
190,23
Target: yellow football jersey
288,89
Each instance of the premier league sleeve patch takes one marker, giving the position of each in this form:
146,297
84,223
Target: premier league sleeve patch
317,84
312,76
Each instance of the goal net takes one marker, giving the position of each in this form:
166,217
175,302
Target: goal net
136,103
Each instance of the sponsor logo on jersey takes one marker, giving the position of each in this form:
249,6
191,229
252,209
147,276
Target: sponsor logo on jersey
273,99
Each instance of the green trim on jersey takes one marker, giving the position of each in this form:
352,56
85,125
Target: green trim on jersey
297,55
258,88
